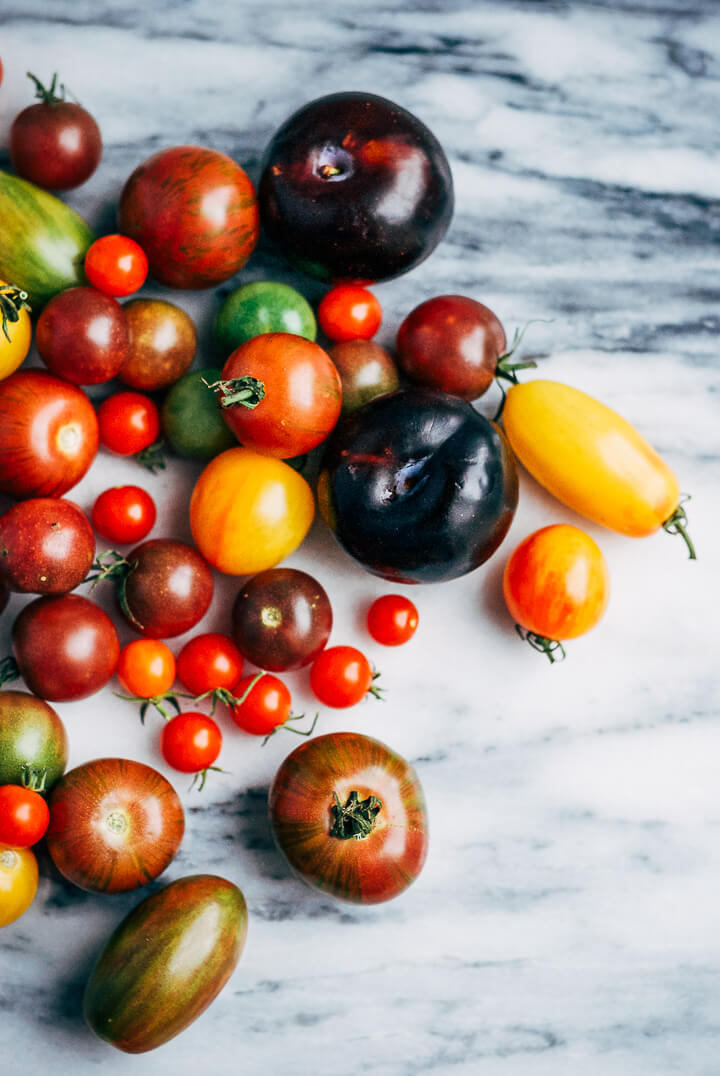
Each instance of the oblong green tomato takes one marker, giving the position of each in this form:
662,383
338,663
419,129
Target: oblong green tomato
166,962
33,741
42,241
263,307
192,420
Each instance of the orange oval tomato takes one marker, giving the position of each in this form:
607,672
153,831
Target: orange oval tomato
556,585
249,511
18,882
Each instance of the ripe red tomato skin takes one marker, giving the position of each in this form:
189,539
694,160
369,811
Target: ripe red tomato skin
116,265
392,619
58,145
368,871
146,668
191,742
129,422
341,676
83,336
24,816
207,662
124,514
349,312
48,435
266,707
46,546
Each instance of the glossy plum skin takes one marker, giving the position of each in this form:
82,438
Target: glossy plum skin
194,213
66,647
168,590
418,486
83,336
281,619
451,343
355,188
46,546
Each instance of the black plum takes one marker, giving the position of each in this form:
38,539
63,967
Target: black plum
418,486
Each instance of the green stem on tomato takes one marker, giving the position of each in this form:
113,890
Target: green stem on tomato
9,670
12,301
289,728
676,524
553,649
48,96
247,391
355,818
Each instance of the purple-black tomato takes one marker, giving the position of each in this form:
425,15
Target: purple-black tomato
281,619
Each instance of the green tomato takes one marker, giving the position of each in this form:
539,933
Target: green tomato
192,420
33,741
263,307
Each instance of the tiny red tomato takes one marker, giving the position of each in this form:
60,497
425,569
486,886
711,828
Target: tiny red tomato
146,668
392,619
116,265
266,707
24,816
191,742
124,514
349,312
341,676
208,662
129,422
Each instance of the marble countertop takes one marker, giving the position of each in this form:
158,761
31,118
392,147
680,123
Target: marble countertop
567,919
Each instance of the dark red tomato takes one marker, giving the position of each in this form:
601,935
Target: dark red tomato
207,224
163,342
451,343
114,825
281,619
46,546
66,647
366,370
341,676
266,707
48,435
116,265
208,662
191,742
348,814
24,816
301,400
349,312
124,514
82,336
165,588
129,422
56,143
392,619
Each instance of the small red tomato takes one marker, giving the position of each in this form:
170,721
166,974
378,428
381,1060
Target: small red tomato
208,662
342,676
124,514
191,742
116,265
129,422
146,668
24,816
392,619
266,707
349,312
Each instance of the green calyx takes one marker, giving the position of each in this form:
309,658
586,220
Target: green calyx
676,525
551,648
355,818
33,778
12,301
113,565
48,96
238,391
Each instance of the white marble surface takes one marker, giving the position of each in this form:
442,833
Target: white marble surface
568,918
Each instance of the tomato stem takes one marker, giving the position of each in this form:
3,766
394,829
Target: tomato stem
12,301
113,565
9,670
288,727
33,778
355,818
247,391
200,777
49,96
553,649
156,701
375,689
676,525
152,458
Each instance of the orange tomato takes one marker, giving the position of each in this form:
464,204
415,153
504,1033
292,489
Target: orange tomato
18,882
146,668
556,586
249,511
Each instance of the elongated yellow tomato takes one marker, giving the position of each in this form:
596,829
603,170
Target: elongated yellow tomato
249,511
18,882
15,328
592,460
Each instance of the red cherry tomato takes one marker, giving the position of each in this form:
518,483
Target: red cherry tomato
191,742
266,707
341,676
129,422
124,514
209,662
349,312
146,668
116,265
392,619
24,816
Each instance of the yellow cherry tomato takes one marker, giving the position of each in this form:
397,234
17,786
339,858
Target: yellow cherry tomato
15,328
249,511
592,460
18,882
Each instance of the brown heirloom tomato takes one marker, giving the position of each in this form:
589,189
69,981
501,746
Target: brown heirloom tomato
46,546
194,213
281,619
162,347
48,435
348,814
115,825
